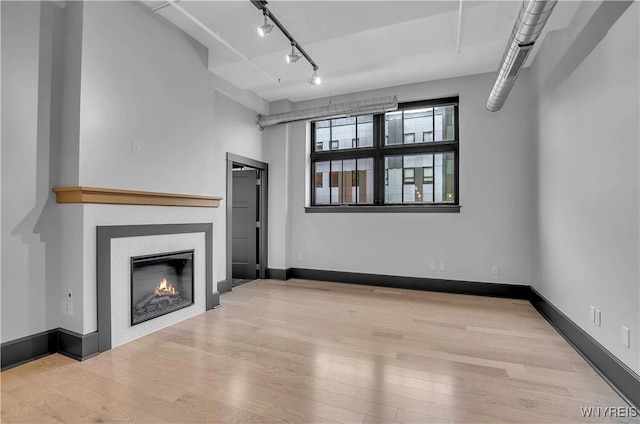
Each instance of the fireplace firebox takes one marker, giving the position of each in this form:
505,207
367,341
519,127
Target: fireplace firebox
161,284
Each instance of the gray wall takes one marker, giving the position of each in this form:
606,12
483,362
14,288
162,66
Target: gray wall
31,77
588,180
496,222
20,48
276,143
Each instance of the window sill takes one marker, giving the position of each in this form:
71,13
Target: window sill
384,209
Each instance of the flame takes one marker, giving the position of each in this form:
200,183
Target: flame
164,288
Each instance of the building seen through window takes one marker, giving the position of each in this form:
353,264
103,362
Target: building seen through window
405,157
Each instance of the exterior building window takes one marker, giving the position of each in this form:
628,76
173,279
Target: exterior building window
427,175
334,179
408,157
409,176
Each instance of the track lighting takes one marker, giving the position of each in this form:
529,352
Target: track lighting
315,79
296,50
293,57
264,30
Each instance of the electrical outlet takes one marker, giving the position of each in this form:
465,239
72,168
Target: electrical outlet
592,314
442,268
625,337
63,307
432,266
135,148
495,270
70,295
299,258
70,309
597,316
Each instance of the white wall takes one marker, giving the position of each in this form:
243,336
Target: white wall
588,183
276,150
30,73
20,49
125,75
494,227
145,81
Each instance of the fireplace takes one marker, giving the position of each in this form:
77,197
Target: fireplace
161,284
117,245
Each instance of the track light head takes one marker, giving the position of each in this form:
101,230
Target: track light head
264,30
315,79
293,57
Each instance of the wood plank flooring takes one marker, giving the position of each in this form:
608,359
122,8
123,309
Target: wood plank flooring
303,351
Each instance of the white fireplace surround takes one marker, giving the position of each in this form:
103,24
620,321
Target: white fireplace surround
122,250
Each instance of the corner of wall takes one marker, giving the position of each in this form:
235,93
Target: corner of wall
71,90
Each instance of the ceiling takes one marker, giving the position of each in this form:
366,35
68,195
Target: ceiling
358,45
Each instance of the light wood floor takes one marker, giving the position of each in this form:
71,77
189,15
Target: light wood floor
302,351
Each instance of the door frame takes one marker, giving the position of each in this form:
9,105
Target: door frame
263,174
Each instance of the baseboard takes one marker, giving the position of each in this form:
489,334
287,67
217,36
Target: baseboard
213,300
224,286
78,346
510,291
25,349
279,274
620,377
59,340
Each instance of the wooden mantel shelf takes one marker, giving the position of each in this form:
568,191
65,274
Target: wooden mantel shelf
114,196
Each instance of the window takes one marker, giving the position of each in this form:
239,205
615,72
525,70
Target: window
409,176
406,158
427,175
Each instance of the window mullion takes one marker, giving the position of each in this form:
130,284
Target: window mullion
456,157
330,180
313,180
378,164
402,181
433,129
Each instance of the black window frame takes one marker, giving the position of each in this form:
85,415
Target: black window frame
379,150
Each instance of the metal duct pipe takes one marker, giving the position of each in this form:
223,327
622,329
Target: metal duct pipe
532,18
359,107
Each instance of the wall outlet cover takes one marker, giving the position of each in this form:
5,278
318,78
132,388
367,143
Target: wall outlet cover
625,337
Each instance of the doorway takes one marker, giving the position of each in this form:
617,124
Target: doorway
246,211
